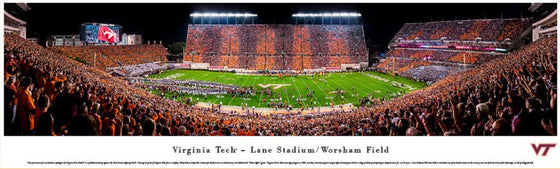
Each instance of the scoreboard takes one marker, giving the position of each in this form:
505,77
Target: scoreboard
100,33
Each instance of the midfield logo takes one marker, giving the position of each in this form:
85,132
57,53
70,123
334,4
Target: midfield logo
276,86
546,147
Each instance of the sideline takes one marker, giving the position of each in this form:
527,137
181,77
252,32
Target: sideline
266,111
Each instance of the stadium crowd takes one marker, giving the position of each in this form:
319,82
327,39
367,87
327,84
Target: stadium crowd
442,55
47,93
406,62
251,43
115,55
464,36
465,30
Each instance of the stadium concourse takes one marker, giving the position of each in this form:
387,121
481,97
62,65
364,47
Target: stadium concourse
48,93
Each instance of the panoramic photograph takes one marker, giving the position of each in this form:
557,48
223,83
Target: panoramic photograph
280,69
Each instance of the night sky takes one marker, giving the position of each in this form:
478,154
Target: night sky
168,22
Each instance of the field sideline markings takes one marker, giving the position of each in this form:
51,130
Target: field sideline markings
210,79
287,96
364,85
327,97
214,77
408,88
296,86
375,77
359,81
337,84
321,90
260,97
383,91
219,76
234,96
359,89
407,85
174,76
345,87
371,89
313,95
333,81
252,85
276,86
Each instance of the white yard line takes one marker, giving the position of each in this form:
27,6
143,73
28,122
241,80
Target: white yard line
383,90
260,97
229,103
313,95
359,89
287,96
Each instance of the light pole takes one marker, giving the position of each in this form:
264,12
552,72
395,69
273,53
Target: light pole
265,47
301,50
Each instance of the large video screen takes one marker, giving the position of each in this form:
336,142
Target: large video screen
100,33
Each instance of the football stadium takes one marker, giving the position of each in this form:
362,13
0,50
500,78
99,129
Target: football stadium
288,73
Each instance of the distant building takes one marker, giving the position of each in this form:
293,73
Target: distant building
64,40
14,18
131,39
33,40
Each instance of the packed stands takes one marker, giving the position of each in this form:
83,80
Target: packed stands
253,42
513,29
413,64
493,30
393,64
475,30
442,55
453,60
451,44
108,56
58,96
430,73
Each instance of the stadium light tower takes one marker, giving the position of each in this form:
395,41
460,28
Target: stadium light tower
211,15
330,15
223,15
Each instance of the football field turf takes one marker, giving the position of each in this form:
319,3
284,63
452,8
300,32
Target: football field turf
356,86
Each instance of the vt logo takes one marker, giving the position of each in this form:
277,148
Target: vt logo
276,86
547,146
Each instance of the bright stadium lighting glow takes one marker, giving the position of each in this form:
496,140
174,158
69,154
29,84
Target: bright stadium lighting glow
332,14
223,15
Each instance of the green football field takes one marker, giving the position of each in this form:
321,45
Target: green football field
356,85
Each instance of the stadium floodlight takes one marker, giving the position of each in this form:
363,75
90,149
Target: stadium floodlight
332,14
223,15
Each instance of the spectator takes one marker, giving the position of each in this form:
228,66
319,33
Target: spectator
25,107
526,75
